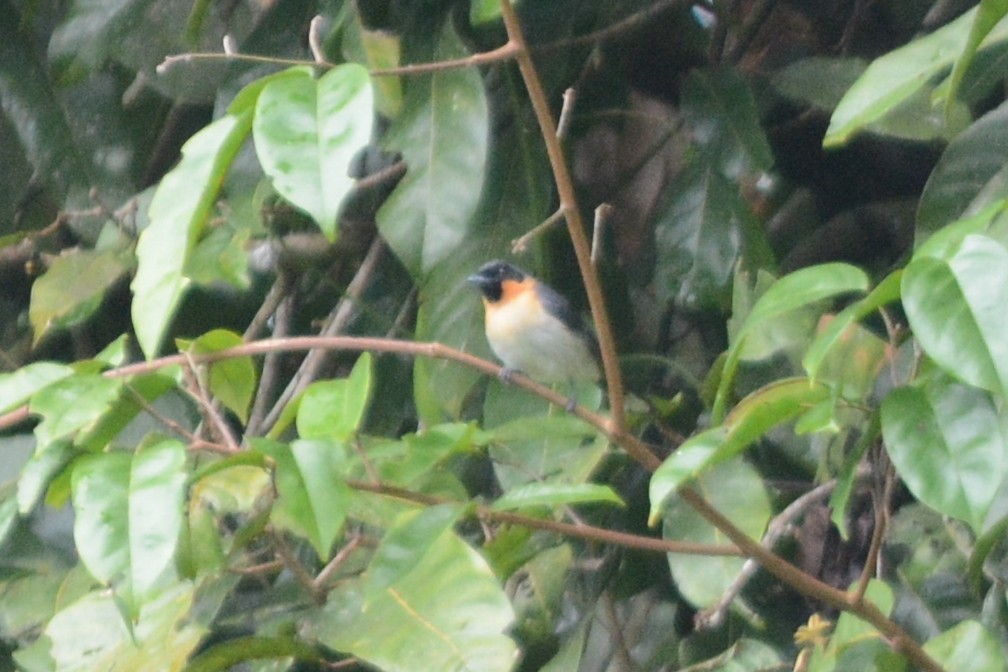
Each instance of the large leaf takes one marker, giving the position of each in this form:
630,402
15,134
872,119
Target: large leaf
724,119
969,175
89,634
307,131
795,290
899,75
737,491
72,404
72,288
129,515
17,387
232,380
967,646
987,16
759,412
312,497
30,104
178,214
956,308
448,614
442,134
334,409
406,543
949,444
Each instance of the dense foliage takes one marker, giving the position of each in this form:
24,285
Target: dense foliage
248,417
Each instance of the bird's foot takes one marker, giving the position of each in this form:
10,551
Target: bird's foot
571,404
506,374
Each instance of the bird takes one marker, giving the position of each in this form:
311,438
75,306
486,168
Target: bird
532,328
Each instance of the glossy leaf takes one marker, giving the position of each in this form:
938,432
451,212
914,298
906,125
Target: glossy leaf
312,497
967,646
72,404
129,515
853,641
988,14
956,308
723,118
699,239
308,130
737,491
406,543
895,77
949,444
39,471
885,292
334,409
442,134
759,412
90,634
231,380
40,121
72,289
448,613
795,290
555,494
818,81
17,387
180,209
968,176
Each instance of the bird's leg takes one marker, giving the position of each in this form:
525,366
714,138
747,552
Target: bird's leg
572,399
506,374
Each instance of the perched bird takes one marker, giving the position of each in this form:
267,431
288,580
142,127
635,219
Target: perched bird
532,328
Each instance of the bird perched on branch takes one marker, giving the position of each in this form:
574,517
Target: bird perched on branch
532,328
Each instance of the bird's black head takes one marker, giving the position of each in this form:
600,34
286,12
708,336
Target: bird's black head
491,276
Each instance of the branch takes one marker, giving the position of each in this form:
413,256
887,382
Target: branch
569,206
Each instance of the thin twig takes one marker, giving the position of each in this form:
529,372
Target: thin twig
714,616
566,114
296,568
336,563
520,245
198,390
270,377
315,41
602,213
335,323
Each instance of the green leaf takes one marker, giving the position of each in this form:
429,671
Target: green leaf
39,471
232,380
72,404
968,177
448,613
819,81
101,524
988,14
699,239
306,133
793,291
894,78
442,134
72,289
312,496
555,494
966,646
956,308
334,409
406,543
180,209
753,417
737,491
854,644
885,293
39,119
949,445
724,120
89,634
128,515
17,387
156,491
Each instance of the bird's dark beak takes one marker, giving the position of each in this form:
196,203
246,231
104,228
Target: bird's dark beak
479,280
